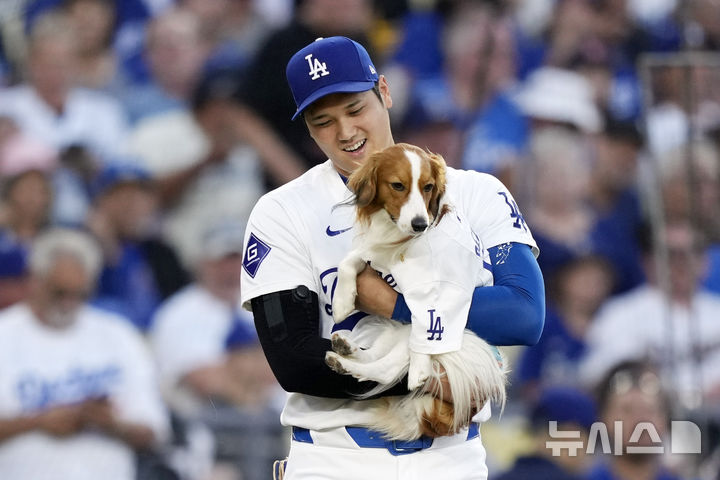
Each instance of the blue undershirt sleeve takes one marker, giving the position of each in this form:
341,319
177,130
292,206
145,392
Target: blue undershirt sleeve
512,311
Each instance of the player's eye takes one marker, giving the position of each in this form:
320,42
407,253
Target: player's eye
397,186
428,188
356,111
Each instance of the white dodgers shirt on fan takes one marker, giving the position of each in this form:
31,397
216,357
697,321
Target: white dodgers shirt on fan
299,233
41,368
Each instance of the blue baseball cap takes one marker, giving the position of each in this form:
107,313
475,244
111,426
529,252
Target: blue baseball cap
564,405
118,173
329,65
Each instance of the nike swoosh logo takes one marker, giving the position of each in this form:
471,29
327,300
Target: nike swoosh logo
332,233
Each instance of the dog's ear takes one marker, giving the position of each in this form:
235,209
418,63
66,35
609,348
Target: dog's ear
437,168
363,182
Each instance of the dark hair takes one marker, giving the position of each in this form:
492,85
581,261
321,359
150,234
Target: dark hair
217,85
557,278
623,131
644,233
630,374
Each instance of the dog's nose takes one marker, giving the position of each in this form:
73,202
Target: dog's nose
419,224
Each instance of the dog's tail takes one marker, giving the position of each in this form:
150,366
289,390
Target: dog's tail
476,375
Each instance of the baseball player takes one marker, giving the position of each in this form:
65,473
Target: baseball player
297,235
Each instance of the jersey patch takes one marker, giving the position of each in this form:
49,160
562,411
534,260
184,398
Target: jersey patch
255,253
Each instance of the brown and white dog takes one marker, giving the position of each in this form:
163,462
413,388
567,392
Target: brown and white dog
400,194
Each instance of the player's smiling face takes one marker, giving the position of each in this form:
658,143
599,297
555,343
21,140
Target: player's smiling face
349,127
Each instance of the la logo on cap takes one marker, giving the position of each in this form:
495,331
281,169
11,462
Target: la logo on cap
317,68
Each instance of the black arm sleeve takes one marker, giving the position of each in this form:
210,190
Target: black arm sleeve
288,326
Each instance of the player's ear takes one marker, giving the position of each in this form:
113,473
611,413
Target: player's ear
437,168
384,90
363,182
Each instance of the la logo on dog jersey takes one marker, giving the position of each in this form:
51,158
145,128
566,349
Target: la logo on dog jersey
436,328
317,68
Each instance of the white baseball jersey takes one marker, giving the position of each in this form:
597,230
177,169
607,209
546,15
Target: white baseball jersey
40,368
297,235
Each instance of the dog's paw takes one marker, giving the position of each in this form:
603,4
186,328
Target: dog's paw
415,382
343,304
419,371
342,345
334,361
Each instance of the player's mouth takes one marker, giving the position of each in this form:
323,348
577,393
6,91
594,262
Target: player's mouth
356,147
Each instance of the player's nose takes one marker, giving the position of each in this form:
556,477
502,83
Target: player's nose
346,129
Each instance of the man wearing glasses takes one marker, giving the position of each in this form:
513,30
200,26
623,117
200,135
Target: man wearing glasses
77,386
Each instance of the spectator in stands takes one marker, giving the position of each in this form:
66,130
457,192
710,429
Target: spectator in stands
26,200
691,189
26,196
691,192
51,108
266,90
97,65
194,332
140,269
576,292
559,97
209,357
219,174
631,393
677,328
561,220
463,110
176,50
234,31
573,410
614,197
79,392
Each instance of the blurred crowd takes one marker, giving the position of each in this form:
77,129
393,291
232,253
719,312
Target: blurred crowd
137,135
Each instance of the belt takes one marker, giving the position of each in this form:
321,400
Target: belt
366,438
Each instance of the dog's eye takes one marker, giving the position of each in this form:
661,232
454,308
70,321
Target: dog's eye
428,187
397,186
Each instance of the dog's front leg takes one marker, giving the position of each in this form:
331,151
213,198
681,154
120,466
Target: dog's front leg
419,370
343,302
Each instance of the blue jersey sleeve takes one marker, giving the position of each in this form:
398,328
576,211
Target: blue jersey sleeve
512,311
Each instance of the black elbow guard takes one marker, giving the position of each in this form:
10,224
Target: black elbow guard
288,326
280,314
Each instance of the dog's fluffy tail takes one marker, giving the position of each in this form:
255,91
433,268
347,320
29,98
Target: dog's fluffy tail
475,374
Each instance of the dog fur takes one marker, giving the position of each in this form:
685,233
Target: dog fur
399,194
